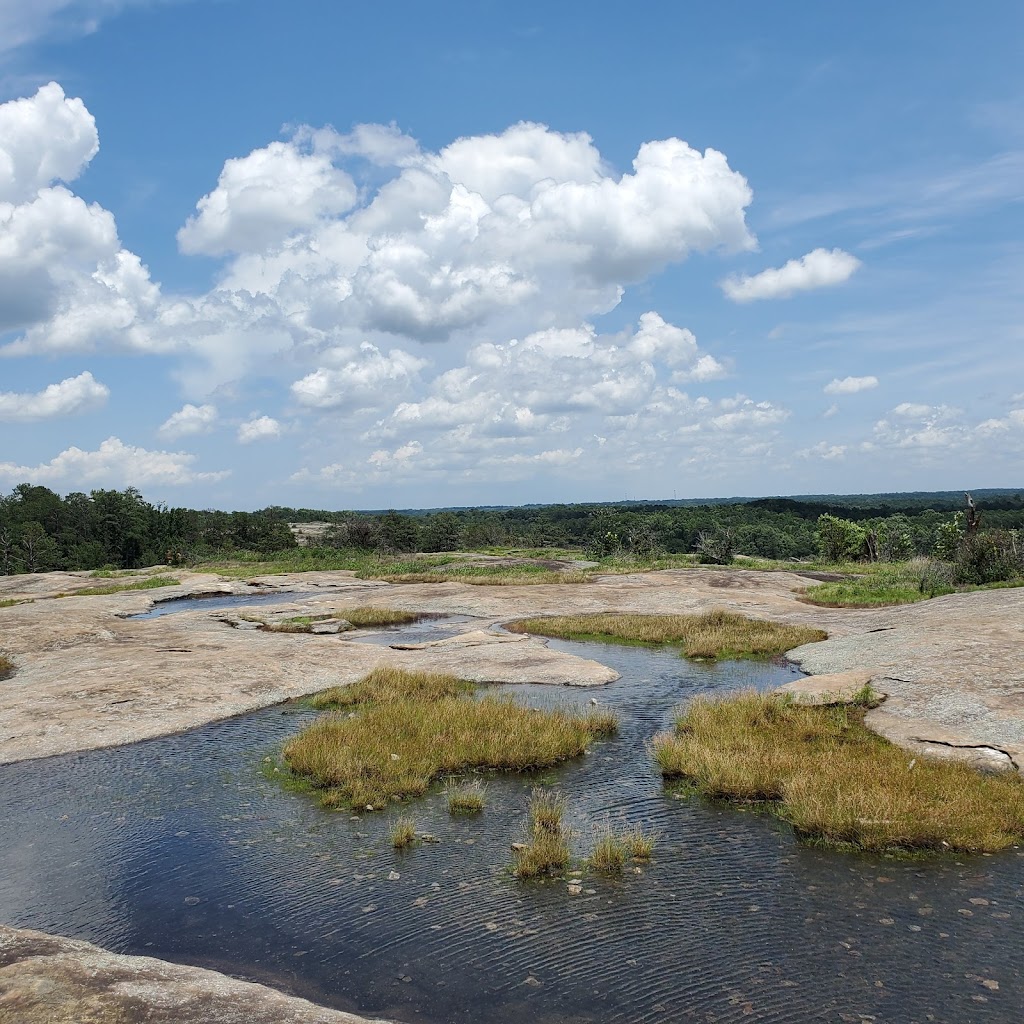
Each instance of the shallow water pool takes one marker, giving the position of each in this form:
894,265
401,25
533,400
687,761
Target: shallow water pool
180,848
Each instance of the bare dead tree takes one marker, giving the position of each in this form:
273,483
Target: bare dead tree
973,520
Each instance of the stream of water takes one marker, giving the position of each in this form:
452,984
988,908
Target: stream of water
181,848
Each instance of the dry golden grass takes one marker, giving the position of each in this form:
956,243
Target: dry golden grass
6,666
714,634
413,728
835,781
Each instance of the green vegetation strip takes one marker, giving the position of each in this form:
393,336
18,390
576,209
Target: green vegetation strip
411,728
715,634
150,583
836,782
361,617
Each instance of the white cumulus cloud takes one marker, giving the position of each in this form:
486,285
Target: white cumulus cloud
189,419
262,198
113,464
43,138
72,395
850,385
818,269
259,428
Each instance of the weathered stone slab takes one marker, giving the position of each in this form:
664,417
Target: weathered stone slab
833,688
46,979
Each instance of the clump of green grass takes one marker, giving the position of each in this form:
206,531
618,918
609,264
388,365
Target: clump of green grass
361,617
547,852
609,854
889,585
6,666
412,728
714,634
836,782
547,807
638,843
465,797
149,583
403,833
10,602
547,849
388,685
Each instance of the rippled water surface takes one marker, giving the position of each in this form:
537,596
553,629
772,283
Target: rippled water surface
180,848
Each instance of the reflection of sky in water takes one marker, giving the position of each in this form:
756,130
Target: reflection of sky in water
179,848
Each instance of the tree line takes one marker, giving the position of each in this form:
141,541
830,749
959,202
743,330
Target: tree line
40,530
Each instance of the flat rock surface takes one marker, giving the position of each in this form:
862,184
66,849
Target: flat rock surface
46,979
834,688
87,677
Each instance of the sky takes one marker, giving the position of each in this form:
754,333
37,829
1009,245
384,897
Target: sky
412,255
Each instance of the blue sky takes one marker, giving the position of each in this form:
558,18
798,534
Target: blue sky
410,254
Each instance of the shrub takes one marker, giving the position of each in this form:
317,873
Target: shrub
717,547
840,540
990,556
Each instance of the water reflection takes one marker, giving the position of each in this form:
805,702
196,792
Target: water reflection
180,848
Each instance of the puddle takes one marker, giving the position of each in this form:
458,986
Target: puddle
179,848
217,602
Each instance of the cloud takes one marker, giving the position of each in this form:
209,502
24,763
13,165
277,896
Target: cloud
399,456
850,385
189,419
362,378
926,427
821,268
44,138
823,450
23,23
260,428
491,237
71,396
113,464
262,198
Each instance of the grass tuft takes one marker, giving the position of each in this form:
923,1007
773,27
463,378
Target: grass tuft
361,617
412,728
10,602
547,850
465,797
149,583
836,782
386,685
639,844
403,833
609,854
6,667
547,808
714,634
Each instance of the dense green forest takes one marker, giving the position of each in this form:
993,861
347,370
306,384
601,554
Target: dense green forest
41,530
